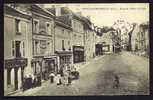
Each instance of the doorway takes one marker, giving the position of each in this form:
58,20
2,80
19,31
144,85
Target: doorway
16,78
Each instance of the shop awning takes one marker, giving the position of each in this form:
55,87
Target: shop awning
36,60
16,62
63,53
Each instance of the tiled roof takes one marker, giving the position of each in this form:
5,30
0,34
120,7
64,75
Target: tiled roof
64,19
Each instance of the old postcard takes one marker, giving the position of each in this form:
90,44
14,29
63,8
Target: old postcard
76,49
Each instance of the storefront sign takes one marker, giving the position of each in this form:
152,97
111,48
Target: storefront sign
78,48
16,63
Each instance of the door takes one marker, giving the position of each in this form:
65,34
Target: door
16,78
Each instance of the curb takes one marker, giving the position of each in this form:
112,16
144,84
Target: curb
19,91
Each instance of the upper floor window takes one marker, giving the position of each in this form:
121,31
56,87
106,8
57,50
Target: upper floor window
68,43
63,31
13,48
48,28
17,25
63,48
35,26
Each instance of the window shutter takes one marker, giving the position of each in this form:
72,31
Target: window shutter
21,48
13,48
23,44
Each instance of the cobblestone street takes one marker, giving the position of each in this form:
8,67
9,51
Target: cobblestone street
97,77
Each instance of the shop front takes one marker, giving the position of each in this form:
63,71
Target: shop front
37,64
99,50
50,66
78,54
65,57
106,48
14,69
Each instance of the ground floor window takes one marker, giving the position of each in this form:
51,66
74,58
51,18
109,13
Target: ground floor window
78,56
65,59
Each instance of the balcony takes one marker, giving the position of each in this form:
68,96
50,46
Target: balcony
18,33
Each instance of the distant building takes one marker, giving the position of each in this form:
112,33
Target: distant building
140,39
89,40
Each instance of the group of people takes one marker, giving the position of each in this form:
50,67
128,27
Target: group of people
31,81
63,77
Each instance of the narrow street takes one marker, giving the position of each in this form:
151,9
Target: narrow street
97,78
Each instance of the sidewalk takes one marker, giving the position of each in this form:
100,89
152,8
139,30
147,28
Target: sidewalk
137,54
30,91
45,83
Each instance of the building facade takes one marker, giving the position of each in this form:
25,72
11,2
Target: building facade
44,61
63,40
140,39
77,36
89,40
17,47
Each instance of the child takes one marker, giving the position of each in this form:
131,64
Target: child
116,82
58,79
52,75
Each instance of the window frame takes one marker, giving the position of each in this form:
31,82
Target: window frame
48,30
17,25
34,28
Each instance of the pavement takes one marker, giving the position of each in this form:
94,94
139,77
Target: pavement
97,78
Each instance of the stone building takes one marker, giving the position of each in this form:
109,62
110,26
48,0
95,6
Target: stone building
17,46
63,42
89,39
140,39
77,38
44,61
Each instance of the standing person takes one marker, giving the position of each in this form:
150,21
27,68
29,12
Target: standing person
69,79
61,70
52,75
64,78
58,79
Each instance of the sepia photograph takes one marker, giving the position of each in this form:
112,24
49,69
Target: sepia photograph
76,49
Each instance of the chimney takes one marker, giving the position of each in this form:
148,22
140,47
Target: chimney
41,5
79,13
57,10
88,17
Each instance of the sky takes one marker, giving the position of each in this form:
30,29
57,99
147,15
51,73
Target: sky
106,14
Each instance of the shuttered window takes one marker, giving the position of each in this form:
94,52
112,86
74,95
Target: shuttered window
13,48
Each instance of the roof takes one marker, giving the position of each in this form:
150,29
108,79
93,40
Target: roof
87,23
15,12
38,9
64,10
64,19
63,52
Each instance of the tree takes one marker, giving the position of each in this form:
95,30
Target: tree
130,35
